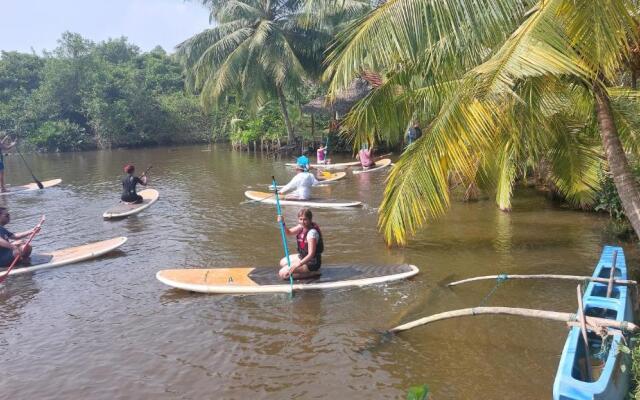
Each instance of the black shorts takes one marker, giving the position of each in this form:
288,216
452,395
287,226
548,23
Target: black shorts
6,258
315,263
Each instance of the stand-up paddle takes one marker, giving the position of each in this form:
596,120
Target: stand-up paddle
146,170
36,229
284,236
40,185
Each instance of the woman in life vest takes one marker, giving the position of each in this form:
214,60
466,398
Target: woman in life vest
307,262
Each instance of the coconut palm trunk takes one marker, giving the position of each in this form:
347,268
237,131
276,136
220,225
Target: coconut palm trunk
285,115
626,184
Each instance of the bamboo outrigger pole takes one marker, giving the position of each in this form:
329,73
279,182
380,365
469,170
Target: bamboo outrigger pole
625,282
571,319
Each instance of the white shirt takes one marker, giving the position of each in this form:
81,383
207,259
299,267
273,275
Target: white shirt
301,185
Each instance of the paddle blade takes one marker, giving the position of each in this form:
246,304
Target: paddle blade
40,185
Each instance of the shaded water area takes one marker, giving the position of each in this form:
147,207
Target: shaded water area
108,329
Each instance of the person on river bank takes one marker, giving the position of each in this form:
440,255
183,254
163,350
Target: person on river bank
4,147
129,182
300,184
10,244
307,262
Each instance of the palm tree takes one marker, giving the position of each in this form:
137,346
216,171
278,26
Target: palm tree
504,85
259,49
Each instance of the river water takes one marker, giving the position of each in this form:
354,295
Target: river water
107,329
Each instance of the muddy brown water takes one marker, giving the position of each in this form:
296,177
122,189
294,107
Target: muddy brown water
107,329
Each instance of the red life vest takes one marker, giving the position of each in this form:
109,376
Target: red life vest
301,240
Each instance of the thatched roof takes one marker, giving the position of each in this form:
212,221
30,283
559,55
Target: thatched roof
344,100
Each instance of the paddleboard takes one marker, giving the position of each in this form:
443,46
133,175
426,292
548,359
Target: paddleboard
149,196
71,255
31,186
329,166
379,165
270,198
266,280
322,178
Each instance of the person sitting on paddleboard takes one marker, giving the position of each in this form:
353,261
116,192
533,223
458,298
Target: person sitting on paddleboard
10,245
129,182
307,262
303,160
366,157
4,147
300,184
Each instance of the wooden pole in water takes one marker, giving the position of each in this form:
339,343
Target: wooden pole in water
612,274
624,282
585,339
523,312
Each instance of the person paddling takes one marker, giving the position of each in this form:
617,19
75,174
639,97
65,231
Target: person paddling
10,245
321,155
300,184
4,147
129,182
305,264
366,157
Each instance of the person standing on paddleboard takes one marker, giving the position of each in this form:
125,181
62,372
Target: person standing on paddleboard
10,245
129,182
321,155
4,147
300,184
307,262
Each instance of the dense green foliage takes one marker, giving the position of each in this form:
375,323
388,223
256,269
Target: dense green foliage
85,95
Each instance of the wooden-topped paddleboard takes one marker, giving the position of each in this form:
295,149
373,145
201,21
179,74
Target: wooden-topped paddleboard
330,166
31,186
270,198
149,196
266,280
322,179
379,165
71,255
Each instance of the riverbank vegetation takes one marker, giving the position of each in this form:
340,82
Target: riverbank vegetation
85,95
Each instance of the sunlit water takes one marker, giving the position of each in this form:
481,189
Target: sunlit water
108,329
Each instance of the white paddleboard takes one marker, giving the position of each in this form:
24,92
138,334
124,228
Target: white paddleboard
266,280
30,187
379,165
270,198
71,255
322,179
329,166
149,196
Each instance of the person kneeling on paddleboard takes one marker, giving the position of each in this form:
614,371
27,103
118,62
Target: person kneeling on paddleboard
10,246
300,184
306,263
129,182
366,157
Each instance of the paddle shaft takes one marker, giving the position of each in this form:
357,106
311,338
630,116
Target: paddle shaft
40,185
282,232
36,229
146,170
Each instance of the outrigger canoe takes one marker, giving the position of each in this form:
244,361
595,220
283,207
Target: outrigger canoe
610,380
149,196
31,186
71,255
270,198
266,280
379,165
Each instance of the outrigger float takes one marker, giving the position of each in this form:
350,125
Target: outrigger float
593,364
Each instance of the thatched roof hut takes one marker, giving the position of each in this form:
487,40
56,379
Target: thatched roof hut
344,100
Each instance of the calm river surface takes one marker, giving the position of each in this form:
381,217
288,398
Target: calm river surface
107,329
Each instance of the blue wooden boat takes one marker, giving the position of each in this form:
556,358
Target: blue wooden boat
610,380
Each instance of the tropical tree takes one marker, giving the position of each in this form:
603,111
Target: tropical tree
504,85
261,48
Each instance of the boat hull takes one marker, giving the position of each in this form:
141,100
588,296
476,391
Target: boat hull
613,380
